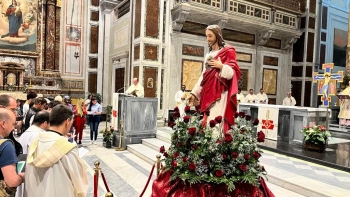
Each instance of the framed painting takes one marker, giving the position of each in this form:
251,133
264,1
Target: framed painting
18,25
270,81
191,71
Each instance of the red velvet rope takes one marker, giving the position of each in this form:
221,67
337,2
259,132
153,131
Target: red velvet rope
95,185
149,178
104,181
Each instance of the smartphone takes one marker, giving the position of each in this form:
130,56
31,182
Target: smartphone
21,166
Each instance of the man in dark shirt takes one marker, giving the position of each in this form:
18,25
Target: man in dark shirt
39,104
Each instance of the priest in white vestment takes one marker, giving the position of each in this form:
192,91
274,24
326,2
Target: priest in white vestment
262,97
251,97
344,113
180,99
240,96
289,100
53,166
136,89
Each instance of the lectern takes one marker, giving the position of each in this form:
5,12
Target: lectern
139,118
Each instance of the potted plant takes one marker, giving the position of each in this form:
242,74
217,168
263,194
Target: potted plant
203,155
107,135
315,137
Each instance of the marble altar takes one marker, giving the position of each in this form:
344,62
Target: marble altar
291,119
138,117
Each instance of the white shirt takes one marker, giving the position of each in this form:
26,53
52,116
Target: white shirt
28,136
25,110
289,101
262,98
139,90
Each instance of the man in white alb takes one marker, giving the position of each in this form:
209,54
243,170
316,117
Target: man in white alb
251,97
136,89
262,97
180,98
289,100
240,96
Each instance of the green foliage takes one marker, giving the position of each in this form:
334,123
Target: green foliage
316,134
200,154
107,134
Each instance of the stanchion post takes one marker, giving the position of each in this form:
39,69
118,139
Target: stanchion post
96,175
120,148
158,164
109,194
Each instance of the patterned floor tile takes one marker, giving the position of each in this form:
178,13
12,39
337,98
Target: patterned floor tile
323,173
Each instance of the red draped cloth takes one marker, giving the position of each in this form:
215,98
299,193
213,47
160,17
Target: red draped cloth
213,86
163,187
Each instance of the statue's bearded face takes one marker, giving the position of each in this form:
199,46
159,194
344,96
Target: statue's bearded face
211,38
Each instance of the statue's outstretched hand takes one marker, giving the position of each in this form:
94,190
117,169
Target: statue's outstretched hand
192,100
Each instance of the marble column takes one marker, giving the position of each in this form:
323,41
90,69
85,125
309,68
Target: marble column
50,36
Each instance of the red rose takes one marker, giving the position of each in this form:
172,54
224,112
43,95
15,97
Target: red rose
176,109
256,121
248,117
202,131
219,173
243,167
165,154
192,131
236,115
207,112
175,137
242,131
256,155
228,138
205,162
194,146
185,159
218,119
219,141
192,166
162,149
186,119
179,144
198,107
246,156
171,124
187,109
261,136
174,164
224,156
176,155
176,115
234,155
212,123
241,114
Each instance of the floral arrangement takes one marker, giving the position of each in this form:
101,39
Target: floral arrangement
107,134
196,155
316,134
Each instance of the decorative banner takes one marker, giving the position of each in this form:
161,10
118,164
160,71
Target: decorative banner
115,110
268,122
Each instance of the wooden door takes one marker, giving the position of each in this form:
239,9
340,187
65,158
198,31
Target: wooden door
119,80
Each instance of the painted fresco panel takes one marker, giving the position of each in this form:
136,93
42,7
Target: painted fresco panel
270,81
18,25
191,71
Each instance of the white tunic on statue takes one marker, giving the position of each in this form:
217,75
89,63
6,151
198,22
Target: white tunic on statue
218,108
262,97
289,101
53,175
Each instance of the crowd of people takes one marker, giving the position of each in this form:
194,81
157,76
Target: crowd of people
49,132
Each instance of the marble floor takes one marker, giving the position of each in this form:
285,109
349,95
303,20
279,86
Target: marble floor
127,171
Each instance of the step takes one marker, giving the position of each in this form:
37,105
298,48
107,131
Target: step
155,143
146,153
163,135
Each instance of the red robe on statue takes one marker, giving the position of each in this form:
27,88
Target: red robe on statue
213,85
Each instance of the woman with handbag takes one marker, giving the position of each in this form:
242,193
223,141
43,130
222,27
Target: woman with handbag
79,119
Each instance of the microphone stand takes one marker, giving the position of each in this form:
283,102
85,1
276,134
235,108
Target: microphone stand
120,89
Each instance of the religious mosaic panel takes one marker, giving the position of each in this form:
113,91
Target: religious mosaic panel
18,25
191,71
243,81
271,61
270,81
244,57
151,52
150,81
71,84
192,50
